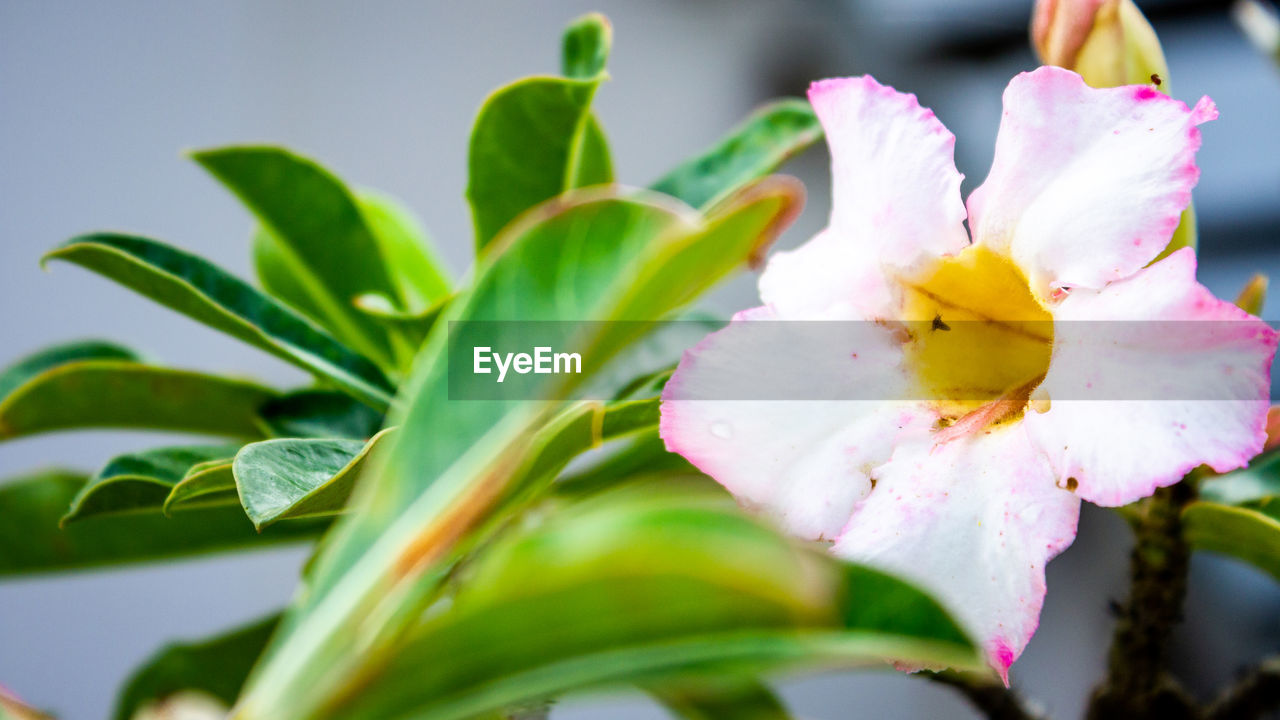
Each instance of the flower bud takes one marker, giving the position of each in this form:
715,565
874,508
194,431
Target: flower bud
1108,42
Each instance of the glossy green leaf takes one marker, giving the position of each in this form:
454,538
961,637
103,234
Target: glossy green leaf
750,151
417,271
423,286
536,138
280,479
645,587
680,270
320,413
721,699
415,268
323,251
122,394
28,367
410,329
32,542
576,258
297,477
524,149
204,292
584,53
140,481
1251,534
278,277
421,281
643,367
205,484
577,429
595,163
1259,481
644,455
216,666
585,47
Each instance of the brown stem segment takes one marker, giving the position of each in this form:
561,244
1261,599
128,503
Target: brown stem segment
990,697
1137,685
1255,694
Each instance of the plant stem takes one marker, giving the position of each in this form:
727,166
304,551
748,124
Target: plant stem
1253,695
1137,685
992,698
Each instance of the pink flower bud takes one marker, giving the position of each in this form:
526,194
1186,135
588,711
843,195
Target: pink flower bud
1108,42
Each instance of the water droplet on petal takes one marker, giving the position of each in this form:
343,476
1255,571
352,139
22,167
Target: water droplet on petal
721,430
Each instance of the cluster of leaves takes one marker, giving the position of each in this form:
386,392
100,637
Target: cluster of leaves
459,571
1238,514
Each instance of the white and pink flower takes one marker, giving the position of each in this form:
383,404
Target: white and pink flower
971,498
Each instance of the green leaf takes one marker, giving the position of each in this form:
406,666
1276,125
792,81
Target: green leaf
216,666
416,271
290,478
409,328
524,149
536,138
295,477
750,151
646,586
325,254
122,394
585,51
579,428
32,542
1251,534
320,413
642,369
1239,514
140,481
204,292
594,165
422,284
679,271
1259,481
585,47
580,257
27,368
205,484
644,456
721,699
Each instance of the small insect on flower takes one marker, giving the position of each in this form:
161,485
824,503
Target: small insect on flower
1039,360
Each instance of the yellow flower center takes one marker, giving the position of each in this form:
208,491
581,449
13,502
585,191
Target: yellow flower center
977,335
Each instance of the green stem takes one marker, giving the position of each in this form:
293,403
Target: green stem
1137,685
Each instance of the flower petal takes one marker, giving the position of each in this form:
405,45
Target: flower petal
896,199
1087,184
828,278
974,521
1136,405
803,462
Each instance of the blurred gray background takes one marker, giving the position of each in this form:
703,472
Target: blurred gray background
97,100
